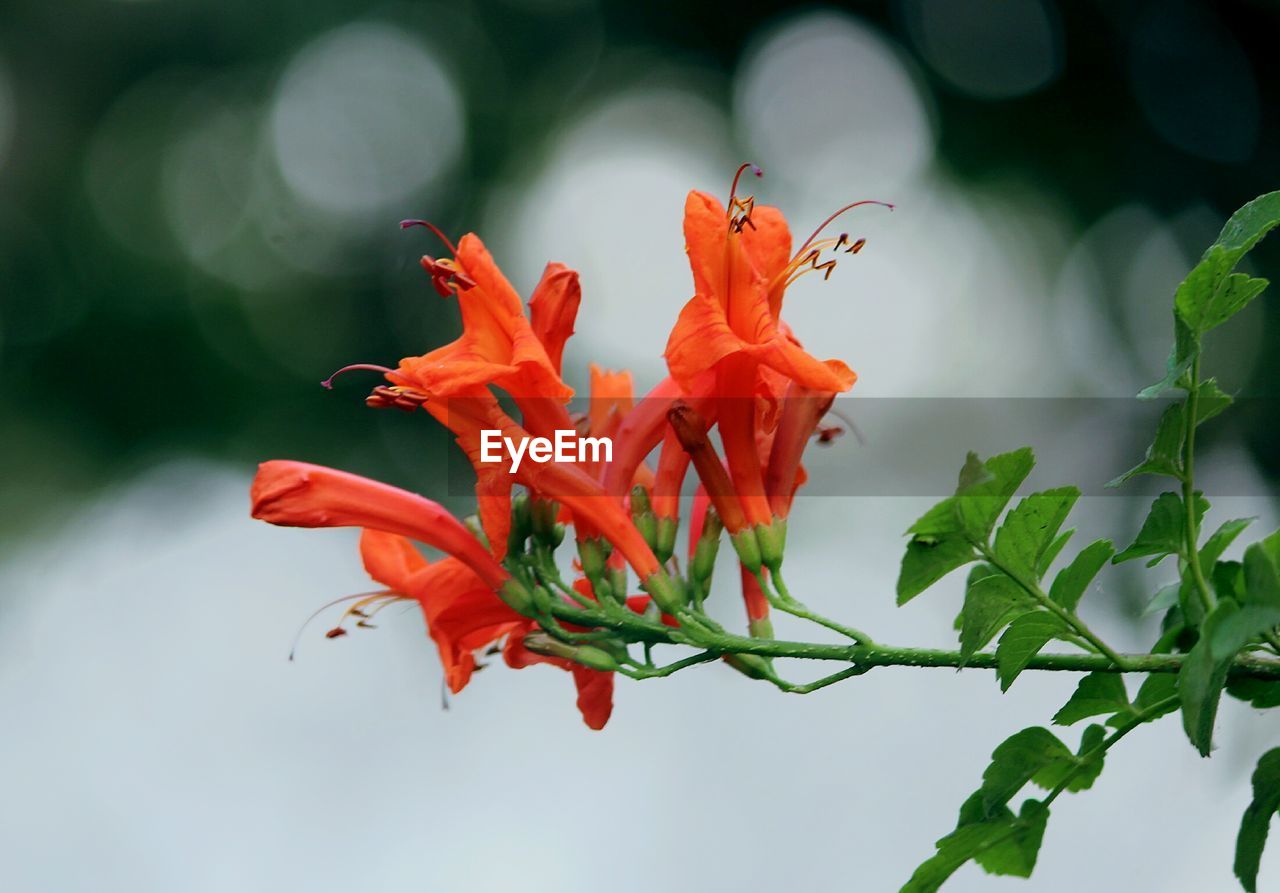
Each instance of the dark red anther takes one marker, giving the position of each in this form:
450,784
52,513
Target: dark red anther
335,633
402,398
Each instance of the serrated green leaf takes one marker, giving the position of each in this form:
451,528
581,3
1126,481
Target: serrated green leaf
1211,400
1228,580
1262,694
1220,539
1164,453
986,489
1030,527
1209,304
1210,294
1095,695
1186,347
1226,630
1002,845
1081,770
1022,641
929,560
1070,583
1162,531
1164,599
1156,688
939,521
1055,547
990,602
1262,572
1256,821
1020,758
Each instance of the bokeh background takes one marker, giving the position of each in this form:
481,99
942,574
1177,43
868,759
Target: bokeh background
198,207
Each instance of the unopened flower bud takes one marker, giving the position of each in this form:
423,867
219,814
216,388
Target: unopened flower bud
665,541
521,524
591,553
587,655
748,548
751,665
772,538
517,597
665,592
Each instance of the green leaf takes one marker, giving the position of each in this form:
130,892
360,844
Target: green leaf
990,602
985,489
1209,296
1096,694
1080,770
1156,688
1164,599
1164,456
1262,694
1225,300
1256,821
1186,347
1211,400
1030,528
1022,641
1220,539
1226,630
1004,844
927,561
1162,531
939,521
1020,758
1070,583
1262,572
1046,559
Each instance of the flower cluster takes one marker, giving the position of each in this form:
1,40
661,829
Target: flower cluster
733,365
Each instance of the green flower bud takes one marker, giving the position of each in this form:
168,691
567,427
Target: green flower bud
665,592
517,597
772,539
521,524
748,548
752,665
665,541
592,555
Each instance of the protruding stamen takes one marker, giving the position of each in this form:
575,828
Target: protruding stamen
849,207
405,224
360,598
369,367
733,189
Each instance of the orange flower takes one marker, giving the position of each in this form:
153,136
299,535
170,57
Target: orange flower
741,266
463,615
499,345
298,494
802,411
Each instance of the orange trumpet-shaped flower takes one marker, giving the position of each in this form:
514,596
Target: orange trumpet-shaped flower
299,494
499,345
741,268
802,411
462,614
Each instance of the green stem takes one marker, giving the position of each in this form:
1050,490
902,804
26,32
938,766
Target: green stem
721,643
784,601
1068,617
1191,531
1105,744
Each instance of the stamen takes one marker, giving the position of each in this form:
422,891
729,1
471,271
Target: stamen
817,232
402,398
405,224
360,598
369,367
733,190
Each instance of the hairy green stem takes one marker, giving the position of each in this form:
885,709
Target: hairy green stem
1082,629
719,643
